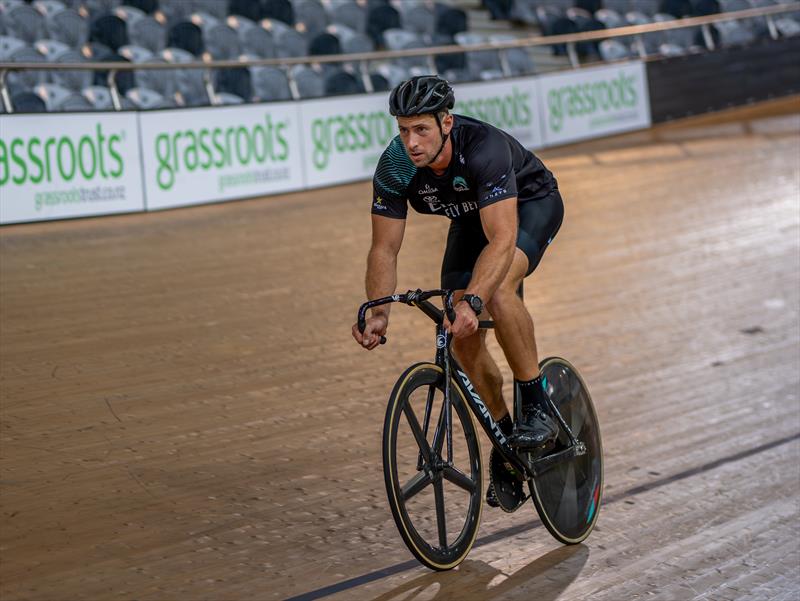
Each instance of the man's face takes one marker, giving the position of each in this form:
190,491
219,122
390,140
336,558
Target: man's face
421,137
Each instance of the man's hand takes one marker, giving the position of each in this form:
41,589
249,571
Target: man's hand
376,327
466,323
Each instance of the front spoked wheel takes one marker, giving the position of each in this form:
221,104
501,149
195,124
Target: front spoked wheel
567,494
436,503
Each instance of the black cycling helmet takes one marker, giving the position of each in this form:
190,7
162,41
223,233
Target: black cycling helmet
421,95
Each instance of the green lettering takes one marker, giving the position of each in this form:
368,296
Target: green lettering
16,158
115,173
36,160
87,173
164,174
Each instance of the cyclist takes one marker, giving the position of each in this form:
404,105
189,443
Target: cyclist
505,209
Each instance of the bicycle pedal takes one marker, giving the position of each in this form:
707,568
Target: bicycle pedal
507,486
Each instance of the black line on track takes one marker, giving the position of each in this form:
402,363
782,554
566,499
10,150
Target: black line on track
514,530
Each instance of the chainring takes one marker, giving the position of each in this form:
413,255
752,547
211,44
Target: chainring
507,483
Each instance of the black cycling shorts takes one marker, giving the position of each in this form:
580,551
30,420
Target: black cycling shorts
539,221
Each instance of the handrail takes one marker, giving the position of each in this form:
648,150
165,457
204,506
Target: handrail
551,40
364,57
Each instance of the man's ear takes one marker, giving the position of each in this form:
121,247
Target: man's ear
447,123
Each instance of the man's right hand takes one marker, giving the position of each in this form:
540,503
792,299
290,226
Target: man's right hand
376,327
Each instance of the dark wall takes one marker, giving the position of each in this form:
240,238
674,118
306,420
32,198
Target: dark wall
711,81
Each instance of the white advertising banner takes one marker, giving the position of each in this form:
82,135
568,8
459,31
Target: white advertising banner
193,156
61,166
509,105
343,138
594,102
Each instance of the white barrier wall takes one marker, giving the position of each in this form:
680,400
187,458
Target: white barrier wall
54,166
593,102
194,156
57,166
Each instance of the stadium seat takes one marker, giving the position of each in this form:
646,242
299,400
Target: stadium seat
610,18
58,52
215,8
676,8
146,6
186,36
518,59
145,99
671,50
269,84
228,99
499,10
480,61
394,74
451,20
219,39
400,39
253,38
546,16
278,10
682,37
733,33
28,102
787,27
143,29
288,41
379,83
339,83
236,81
350,14
189,83
309,81
109,30
613,50
379,19
324,43
17,51
64,24
22,21
58,98
417,17
562,25
521,11
249,9
99,97
158,80
351,41
312,15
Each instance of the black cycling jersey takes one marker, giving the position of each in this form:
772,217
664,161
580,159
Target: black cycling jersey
488,165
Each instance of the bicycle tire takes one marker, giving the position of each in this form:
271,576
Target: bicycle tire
404,491
568,495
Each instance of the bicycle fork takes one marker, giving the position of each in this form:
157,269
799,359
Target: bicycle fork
442,343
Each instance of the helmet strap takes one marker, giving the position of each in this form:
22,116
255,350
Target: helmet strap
444,139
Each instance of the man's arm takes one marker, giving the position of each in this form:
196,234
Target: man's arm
381,279
499,222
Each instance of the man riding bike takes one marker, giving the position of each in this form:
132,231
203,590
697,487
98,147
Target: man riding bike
505,209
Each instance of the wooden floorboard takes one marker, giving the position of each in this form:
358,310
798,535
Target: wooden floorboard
183,414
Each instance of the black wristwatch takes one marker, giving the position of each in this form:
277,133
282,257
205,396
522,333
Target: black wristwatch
475,303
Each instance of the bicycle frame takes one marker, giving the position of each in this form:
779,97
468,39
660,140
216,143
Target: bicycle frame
447,362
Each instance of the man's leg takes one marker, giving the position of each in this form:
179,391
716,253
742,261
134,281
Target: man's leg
514,328
482,370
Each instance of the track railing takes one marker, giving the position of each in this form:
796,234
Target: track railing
365,58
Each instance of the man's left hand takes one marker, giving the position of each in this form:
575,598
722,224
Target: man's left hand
466,323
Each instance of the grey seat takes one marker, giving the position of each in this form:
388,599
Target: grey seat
64,24
58,52
145,99
613,50
189,83
99,97
349,14
216,8
669,50
787,27
351,41
311,14
610,18
219,39
253,38
481,63
523,11
519,59
394,74
682,37
270,84
309,80
417,17
733,33
158,80
22,21
288,41
28,102
16,51
58,98
400,39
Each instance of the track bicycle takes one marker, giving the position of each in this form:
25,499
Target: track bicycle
432,459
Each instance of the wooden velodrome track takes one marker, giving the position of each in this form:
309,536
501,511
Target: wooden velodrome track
185,416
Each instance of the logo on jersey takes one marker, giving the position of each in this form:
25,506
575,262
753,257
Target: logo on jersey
433,203
461,158
427,190
497,191
460,184
378,204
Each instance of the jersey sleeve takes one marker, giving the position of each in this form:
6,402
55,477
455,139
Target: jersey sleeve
391,180
493,169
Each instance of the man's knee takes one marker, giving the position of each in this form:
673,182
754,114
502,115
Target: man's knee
503,301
